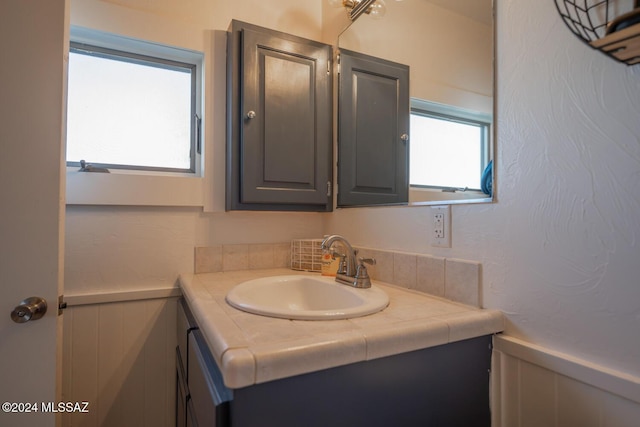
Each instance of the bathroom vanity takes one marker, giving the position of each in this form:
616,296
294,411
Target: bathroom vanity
422,361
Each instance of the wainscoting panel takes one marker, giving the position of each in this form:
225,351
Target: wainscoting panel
119,357
537,387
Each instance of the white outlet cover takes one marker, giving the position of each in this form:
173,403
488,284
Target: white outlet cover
440,228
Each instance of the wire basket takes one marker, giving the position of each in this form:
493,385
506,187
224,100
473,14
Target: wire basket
612,26
306,254
586,19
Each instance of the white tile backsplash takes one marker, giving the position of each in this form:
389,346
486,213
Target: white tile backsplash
261,256
404,270
213,259
462,281
430,275
454,279
383,269
208,259
235,257
282,255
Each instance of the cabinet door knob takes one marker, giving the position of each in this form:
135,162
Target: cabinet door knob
404,137
251,114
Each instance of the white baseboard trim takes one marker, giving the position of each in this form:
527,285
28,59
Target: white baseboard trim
610,380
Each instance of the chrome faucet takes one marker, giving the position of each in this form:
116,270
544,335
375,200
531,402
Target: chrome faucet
349,273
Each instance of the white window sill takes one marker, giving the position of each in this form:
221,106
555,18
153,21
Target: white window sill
428,196
133,189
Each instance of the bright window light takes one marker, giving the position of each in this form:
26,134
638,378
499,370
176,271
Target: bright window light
447,151
129,111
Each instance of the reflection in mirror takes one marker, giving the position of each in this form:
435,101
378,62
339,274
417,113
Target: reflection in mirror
448,45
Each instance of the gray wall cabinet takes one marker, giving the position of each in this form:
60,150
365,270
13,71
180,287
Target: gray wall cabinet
279,121
373,131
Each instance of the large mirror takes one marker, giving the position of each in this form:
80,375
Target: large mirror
449,47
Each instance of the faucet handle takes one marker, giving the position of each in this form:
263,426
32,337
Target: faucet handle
362,279
361,272
370,261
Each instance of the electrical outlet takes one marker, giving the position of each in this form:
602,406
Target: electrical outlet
438,226
441,221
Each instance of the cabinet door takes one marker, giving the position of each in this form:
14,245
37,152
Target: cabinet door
443,386
373,130
209,398
191,415
280,149
185,325
181,392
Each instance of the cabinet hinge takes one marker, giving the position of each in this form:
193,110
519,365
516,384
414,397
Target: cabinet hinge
328,188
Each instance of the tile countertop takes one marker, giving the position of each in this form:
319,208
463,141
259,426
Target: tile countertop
252,349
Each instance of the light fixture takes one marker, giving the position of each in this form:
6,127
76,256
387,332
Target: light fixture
355,8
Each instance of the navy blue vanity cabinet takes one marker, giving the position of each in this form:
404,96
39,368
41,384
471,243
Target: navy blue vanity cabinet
185,325
181,392
279,121
201,396
443,386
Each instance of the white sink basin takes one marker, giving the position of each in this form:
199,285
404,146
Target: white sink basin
305,298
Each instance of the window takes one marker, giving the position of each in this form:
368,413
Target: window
132,104
449,146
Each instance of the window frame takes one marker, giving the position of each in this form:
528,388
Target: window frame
458,115
128,187
153,61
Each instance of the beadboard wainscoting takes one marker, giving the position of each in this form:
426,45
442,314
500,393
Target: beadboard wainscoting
533,386
119,355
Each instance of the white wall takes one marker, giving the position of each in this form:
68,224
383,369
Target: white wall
115,249
559,248
571,271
